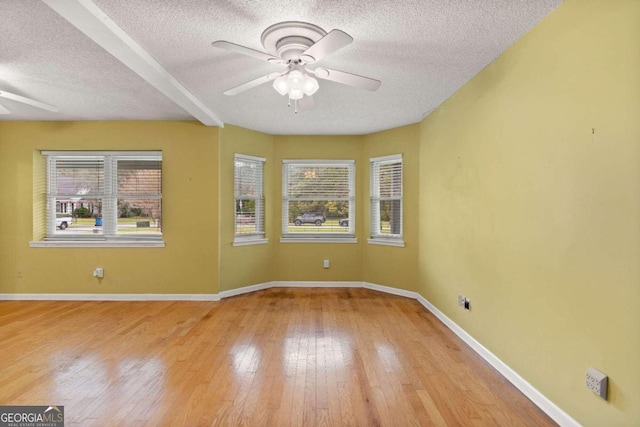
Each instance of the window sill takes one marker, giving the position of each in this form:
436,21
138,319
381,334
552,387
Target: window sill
97,244
249,242
387,242
318,240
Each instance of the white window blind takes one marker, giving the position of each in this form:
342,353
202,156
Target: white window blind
249,197
104,195
318,198
386,197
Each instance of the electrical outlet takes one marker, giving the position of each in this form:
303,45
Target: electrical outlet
597,382
98,272
325,263
461,299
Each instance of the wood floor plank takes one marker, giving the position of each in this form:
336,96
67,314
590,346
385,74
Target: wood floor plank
278,357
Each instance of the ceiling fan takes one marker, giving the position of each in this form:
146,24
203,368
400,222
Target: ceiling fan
297,45
24,100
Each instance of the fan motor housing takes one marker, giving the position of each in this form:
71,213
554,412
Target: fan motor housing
290,48
287,40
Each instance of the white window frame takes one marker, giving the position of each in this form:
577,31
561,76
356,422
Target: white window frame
109,197
348,237
377,238
244,239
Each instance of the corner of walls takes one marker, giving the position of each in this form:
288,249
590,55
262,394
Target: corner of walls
387,265
241,266
303,261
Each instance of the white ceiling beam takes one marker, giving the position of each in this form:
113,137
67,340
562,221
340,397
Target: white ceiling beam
95,24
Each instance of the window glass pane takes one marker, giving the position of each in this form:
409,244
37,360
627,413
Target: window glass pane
78,216
309,181
139,177
325,216
137,215
386,197
318,198
78,176
247,222
248,179
390,180
249,202
390,217
104,193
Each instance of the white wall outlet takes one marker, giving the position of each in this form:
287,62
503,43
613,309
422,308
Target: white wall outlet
325,263
461,299
98,272
597,382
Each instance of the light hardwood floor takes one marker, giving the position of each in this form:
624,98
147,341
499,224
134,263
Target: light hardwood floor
276,357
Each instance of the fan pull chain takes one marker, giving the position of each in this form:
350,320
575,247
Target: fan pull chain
295,105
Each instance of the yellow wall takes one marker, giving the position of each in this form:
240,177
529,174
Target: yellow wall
198,211
188,263
530,202
244,265
384,265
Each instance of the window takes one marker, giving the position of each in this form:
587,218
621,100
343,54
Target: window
104,196
318,200
249,200
386,200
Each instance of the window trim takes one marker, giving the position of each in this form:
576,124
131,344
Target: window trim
258,238
320,237
377,238
87,241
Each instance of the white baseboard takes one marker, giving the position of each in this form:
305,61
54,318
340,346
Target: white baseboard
390,290
245,290
540,400
294,284
550,408
109,297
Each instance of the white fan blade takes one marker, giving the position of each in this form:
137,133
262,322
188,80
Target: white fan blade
253,83
221,44
347,78
306,103
28,101
4,110
333,41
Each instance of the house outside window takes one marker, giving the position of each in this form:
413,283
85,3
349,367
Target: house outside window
386,200
318,200
105,196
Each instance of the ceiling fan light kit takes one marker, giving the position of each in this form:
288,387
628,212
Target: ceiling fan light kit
296,45
296,84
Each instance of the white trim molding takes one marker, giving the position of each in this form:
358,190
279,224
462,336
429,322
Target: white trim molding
249,242
285,239
386,242
97,243
109,297
245,290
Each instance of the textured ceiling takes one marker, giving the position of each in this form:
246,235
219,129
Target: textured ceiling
421,50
